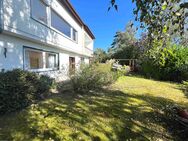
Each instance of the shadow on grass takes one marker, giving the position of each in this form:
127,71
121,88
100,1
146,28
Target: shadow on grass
103,115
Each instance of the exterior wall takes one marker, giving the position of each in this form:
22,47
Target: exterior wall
15,56
17,19
186,25
1,15
20,29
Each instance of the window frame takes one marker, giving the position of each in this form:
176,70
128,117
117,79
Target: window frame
76,38
49,10
58,31
56,60
25,48
36,19
52,10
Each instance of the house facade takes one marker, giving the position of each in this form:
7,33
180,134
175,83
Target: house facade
44,36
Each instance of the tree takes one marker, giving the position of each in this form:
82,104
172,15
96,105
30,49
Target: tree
159,15
100,55
124,44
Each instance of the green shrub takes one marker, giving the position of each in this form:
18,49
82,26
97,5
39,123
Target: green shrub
20,88
93,77
185,86
169,63
123,71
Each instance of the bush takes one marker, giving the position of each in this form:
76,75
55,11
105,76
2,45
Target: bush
169,63
185,86
93,77
124,70
20,88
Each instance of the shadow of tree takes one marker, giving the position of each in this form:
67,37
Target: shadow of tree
103,115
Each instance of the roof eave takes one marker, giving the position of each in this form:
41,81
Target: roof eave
77,17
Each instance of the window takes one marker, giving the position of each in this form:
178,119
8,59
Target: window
39,10
74,35
82,60
72,65
60,24
36,59
51,60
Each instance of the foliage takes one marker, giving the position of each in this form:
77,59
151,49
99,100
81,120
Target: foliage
100,56
123,71
124,44
166,63
19,88
92,77
160,16
185,86
132,109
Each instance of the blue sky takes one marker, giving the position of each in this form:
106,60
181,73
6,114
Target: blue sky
104,24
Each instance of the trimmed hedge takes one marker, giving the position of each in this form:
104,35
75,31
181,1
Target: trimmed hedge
19,88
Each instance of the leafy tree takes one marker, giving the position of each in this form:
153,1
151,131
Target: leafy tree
100,55
158,16
169,62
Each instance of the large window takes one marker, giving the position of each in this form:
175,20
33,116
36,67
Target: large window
40,60
60,24
39,10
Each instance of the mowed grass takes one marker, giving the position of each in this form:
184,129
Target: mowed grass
131,109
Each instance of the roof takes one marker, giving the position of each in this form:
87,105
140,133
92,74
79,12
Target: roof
77,17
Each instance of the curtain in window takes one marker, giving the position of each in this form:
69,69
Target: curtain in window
51,60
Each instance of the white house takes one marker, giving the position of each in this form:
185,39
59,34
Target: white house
45,36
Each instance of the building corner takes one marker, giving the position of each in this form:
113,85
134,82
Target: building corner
1,16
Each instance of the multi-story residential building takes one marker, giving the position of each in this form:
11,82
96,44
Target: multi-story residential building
45,36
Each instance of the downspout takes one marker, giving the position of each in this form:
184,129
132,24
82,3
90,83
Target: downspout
1,16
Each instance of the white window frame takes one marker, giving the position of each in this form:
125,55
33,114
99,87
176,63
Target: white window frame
53,11
71,28
44,52
76,34
48,23
47,12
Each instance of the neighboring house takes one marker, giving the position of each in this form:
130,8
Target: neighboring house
45,36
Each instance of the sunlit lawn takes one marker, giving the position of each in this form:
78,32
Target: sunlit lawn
131,109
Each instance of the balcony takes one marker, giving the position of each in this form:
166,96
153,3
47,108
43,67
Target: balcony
88,52
88,46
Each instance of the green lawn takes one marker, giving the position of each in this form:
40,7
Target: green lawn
131,109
